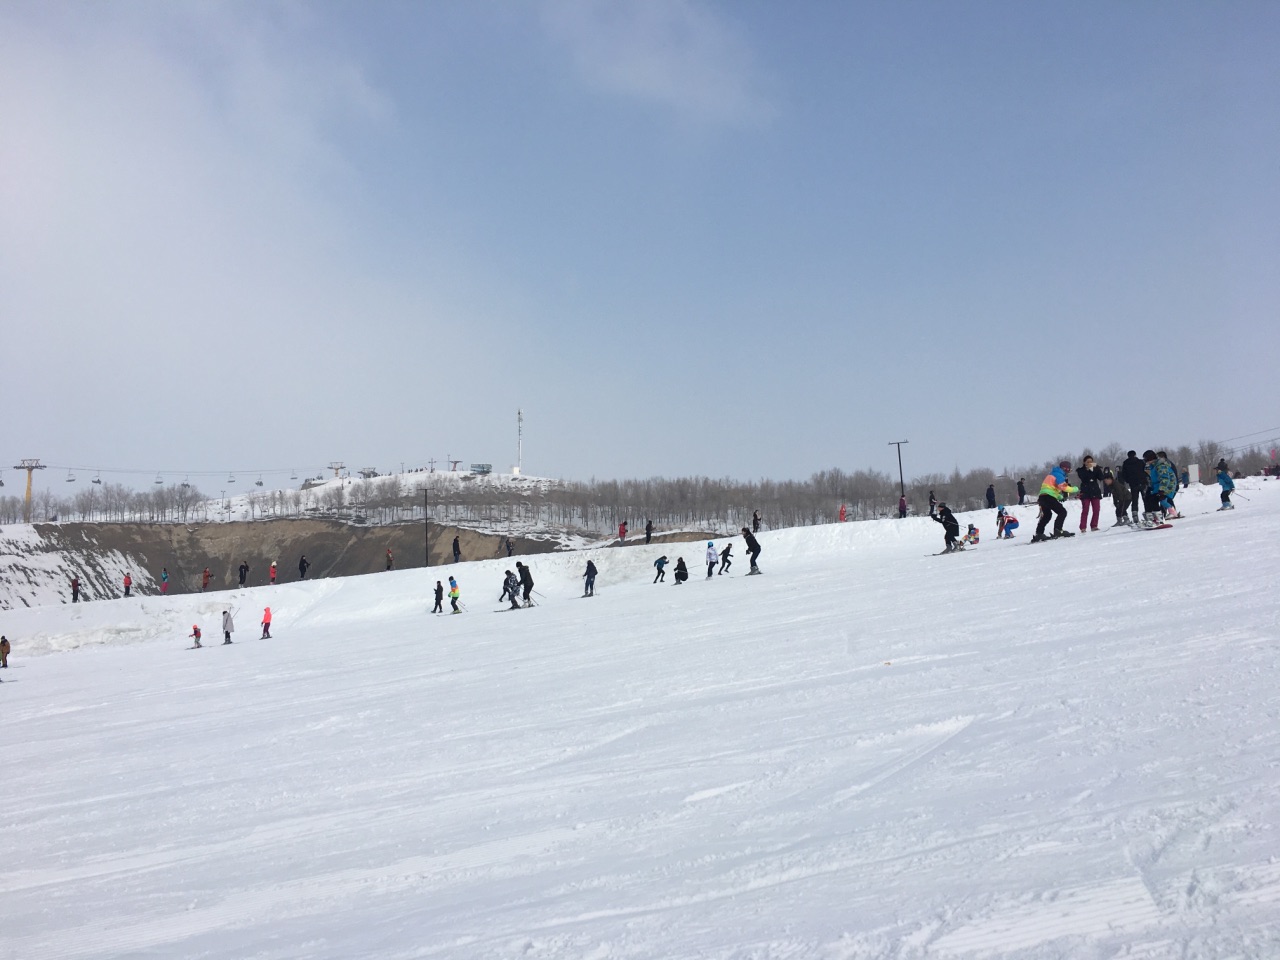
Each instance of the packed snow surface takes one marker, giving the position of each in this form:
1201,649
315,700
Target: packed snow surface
1055,750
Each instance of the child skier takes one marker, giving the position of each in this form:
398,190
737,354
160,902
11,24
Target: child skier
970,537
1006,524
195,635
660,564
725,561
942,514
511,590
1227,485
266,623
454,593
713,558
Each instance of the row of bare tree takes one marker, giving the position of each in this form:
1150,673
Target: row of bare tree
597,507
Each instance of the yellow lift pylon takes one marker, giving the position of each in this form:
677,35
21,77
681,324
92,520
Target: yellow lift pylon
31,466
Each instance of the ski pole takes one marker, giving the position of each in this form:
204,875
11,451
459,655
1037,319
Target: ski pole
1241,496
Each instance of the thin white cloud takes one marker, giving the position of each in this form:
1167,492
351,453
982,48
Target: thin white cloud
674,53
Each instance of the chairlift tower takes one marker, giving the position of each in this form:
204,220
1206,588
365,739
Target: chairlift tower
30,466
519,442
337,466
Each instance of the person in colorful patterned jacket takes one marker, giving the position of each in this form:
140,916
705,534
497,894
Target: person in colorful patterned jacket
1168,476
1052,489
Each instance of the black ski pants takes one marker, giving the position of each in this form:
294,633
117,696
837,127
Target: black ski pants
1137,492
662,575
753,556
1050,507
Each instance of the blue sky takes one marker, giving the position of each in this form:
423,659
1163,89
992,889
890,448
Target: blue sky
747,239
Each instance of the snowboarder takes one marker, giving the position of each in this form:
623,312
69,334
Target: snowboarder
753,550
75,589
526,580
510,590
648,531
439,607
454,594
228,626
1052,489
725,561
195,634
1134,474
951,527
391,560
266,624
991,496
1006,524
272,573
4,653
660,564
128,584
682,572
164,579
713,558
457,551
755,521
204,580
1022,490
303,567
1090,493
1227,485
244,571
589,590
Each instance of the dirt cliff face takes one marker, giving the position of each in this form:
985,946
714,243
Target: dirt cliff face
39,569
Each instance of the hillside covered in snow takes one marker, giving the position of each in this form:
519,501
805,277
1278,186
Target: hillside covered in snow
1026,750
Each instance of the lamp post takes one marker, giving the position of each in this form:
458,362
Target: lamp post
426,517
902,486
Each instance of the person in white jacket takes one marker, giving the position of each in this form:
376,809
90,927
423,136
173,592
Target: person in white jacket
713,558
228,626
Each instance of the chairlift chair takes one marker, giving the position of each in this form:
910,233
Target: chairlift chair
231,478
71,477
97,478
258,482
159,478
186,481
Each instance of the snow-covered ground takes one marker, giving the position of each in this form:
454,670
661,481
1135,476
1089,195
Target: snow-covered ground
1054,750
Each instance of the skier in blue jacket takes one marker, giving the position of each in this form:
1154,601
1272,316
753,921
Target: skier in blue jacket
1227,485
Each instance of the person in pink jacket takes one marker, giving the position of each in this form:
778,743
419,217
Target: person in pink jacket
266,624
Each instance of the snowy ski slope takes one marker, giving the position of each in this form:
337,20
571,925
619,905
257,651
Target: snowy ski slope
1054,750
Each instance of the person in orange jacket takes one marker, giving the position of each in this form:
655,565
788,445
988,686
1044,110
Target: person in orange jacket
266,624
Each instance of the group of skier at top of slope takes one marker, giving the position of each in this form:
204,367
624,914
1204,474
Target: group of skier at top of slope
1153,479
518,587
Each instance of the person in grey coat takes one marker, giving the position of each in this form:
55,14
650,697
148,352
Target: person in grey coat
228,626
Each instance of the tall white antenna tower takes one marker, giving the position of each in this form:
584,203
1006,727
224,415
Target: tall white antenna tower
519,442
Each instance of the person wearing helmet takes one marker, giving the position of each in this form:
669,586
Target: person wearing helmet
713,558
1052,490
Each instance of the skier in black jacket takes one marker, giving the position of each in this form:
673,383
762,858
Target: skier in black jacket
589,589
682,572
526,578
753,550
950,525
1134,473
439,607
